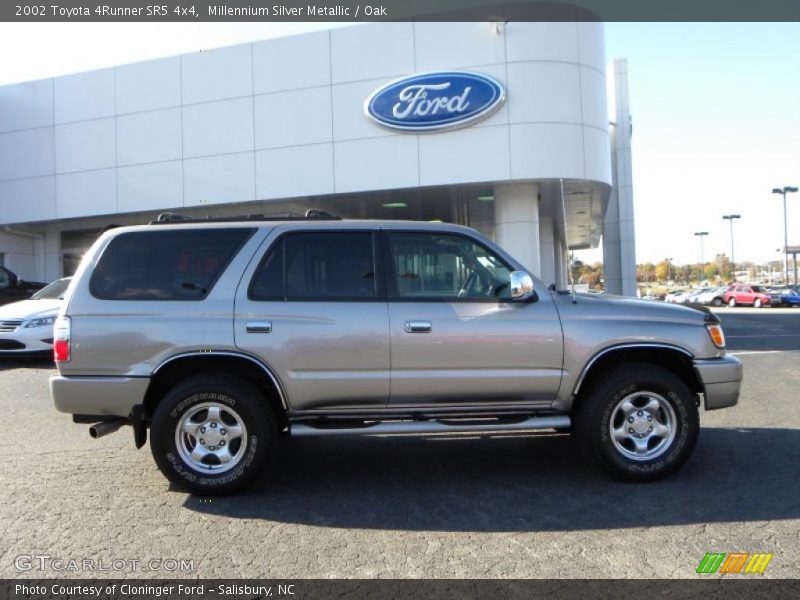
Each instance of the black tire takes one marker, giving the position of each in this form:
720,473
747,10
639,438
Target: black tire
757,303
732,302
717,302
595,410
229,392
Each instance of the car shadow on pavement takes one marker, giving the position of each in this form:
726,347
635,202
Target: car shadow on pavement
43,361
514,483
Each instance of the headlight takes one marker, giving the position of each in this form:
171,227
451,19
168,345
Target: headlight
717,336
43,322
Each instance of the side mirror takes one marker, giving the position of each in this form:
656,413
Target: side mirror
521,286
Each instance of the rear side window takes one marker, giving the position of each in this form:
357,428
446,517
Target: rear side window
318,266
165,265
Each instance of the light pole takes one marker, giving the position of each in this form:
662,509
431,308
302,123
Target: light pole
669,269
787,189
733,260
701,235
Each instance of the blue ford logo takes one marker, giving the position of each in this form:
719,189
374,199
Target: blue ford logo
435,101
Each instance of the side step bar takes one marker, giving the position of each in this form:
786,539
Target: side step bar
407,427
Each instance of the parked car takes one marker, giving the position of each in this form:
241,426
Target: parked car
784,297
27,326
713,296
753,295
12,288
676,297
694,296
223,337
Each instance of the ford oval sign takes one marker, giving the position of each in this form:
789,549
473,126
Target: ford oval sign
434,101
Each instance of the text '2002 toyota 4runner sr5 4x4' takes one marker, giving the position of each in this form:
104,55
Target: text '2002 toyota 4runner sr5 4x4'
222,336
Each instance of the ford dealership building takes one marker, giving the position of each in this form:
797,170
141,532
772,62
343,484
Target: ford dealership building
504,127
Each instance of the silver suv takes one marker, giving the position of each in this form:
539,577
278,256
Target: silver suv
221,337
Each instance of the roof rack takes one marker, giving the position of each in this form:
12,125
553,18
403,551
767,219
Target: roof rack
313,214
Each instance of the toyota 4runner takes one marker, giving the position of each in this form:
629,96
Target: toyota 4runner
220,337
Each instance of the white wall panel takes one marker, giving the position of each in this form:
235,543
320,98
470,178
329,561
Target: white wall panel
86,193
544,92
292,62
84,96
85,145
349,121
149,85
465,155
591,42
26,153
293,118
217,74
149,136
542,41
597,155
376,164
24,200
216,179
593,98
155,186
547,151
218,127
298,171
26,105
369,52
445,46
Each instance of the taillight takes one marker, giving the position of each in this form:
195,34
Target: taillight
61,333
717,336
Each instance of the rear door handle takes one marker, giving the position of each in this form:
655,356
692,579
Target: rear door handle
418,326
259,327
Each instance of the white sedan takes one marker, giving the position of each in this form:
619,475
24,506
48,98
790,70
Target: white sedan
27,326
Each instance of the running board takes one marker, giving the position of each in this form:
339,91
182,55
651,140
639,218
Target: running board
407,427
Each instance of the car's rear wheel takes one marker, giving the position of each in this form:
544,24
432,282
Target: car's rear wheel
640,421
211,434
717,302
732,302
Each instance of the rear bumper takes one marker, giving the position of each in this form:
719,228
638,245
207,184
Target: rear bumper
108,396
721,379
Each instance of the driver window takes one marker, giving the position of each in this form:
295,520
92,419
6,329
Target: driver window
446,267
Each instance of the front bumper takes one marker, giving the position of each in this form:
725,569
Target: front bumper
107,396
721,379
27,339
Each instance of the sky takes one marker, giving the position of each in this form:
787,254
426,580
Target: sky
715,107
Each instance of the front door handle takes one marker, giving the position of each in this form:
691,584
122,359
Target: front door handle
418,326
259,327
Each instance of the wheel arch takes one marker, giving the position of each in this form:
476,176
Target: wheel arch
177,368
673,358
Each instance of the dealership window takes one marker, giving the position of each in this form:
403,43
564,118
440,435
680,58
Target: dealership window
443,266
165,265
318,266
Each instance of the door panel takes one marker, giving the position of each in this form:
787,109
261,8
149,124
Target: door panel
456,336
315,311
475,352
326,354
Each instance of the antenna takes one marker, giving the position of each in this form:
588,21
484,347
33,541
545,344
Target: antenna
570,278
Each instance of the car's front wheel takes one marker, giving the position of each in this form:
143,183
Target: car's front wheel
640,421
211,434
732,302
757,303
717,302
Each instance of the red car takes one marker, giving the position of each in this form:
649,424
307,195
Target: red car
746,294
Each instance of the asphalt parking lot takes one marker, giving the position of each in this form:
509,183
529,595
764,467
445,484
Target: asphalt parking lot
450,506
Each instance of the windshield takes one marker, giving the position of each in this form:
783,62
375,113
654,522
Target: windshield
54,291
